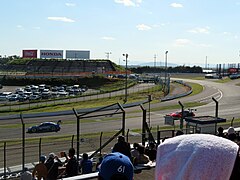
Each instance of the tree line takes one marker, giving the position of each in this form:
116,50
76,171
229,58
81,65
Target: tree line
177,69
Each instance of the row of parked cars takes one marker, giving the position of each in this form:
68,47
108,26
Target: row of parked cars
37,92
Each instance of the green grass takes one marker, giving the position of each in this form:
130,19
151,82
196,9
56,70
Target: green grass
223,80
188,76
177,106
196,88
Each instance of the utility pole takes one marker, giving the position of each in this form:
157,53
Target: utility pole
126,78
155,56
108,54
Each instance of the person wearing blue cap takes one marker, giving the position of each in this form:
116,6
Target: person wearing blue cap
40,170
116,166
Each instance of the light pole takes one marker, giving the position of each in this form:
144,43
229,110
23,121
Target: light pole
108,54
165,81
126,56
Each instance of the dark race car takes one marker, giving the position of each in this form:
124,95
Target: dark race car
45,127
178,114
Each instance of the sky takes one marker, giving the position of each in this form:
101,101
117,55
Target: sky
194,32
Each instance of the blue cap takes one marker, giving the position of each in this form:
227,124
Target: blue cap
42,158
116,164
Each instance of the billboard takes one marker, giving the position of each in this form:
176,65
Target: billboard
74,54
232,70
51,54
29,53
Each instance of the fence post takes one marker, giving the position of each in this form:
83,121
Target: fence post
78,132
100,143
23,143
4,160
72,140
143,125
40,148
158,137
123,123
127,134
181,120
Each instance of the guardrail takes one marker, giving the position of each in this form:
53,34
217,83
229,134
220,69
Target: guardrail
171,97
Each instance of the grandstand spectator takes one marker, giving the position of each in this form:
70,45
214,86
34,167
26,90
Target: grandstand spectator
71,165
197,156
26,175
52,164
40,170
122,146
86,164
220,132
116,166
98,163
179,132
142,158
231,135
151,151
134,151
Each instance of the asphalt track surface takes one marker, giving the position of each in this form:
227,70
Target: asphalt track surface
227,94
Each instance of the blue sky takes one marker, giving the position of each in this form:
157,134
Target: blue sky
190,30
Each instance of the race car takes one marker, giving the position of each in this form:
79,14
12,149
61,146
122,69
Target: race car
45,127
178,114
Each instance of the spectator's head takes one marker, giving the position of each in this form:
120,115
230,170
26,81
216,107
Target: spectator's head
85,156
196,156
51,155
42,158
121,139
26,169
179,132
230,130
71,152
141,149
135,145
151,145
220,130
116,166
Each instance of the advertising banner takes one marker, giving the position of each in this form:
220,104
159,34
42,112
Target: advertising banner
51,54
74,54
232,70
29,53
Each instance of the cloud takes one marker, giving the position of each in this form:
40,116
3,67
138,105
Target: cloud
205,45
36,28
230,35
143,27
20,27
70,4
199,30
63,19
226,33
182,42
129,2
107,38
176,5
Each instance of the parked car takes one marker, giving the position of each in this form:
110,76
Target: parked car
45,127
62,92
13,97
178,114
34,97
4,96
46,94
23,97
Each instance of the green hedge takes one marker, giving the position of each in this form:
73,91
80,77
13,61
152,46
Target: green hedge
91,82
